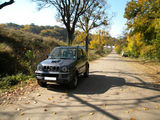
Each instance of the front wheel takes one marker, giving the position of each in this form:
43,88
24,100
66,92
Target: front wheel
74,82
86,74
41,83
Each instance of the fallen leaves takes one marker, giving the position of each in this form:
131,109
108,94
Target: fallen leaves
35,102
38,94
53,102
45,109
70,117
54,113
132,110
91,113
132,119
27,102
104,105
145,108
156,107
22,113
49,99
19,109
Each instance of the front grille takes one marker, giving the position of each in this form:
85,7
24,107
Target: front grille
64,75
51,68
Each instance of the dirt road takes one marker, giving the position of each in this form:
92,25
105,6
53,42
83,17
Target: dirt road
115,90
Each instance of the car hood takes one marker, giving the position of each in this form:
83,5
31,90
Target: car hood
57,62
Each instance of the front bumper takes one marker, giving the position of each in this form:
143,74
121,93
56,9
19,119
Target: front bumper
58,77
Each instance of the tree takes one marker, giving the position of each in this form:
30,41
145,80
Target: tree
94,17
69,12
6,4
99,40
143,18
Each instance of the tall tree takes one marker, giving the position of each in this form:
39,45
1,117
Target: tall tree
6,3
94,17
143,23
68,12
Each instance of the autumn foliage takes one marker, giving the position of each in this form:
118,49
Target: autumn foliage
143,25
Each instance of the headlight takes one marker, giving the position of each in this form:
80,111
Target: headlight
40,67
65,69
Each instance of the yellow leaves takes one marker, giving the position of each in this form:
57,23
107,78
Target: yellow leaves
80,37
22,113
54,113
132,110
156,107
91,113
145,108
98,40
49,99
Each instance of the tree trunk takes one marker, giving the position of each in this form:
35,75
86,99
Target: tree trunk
87,42
69,38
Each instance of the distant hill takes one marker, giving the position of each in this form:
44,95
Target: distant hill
21,51
56,32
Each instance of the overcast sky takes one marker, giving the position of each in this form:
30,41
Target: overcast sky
25,12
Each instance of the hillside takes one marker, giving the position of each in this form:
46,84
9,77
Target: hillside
20,51
57,32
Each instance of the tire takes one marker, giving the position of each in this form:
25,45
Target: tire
74,82
41,83
86,74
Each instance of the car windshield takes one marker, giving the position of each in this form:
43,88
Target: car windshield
63,53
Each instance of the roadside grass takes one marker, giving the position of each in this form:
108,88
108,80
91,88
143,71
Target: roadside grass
11,82
150,67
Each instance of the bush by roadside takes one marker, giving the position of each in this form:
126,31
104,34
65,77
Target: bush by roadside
95,54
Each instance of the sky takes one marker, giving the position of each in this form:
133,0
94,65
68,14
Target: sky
26,12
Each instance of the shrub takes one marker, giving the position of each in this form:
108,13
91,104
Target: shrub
9,81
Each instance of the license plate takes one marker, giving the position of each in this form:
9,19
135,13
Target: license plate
50,78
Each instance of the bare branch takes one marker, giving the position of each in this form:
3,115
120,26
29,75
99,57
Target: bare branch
6,4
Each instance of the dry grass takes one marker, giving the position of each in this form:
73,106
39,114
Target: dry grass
152,69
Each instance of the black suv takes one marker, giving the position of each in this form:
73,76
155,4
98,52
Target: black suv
63,66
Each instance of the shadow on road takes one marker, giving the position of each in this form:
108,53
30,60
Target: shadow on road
141,83
95,84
